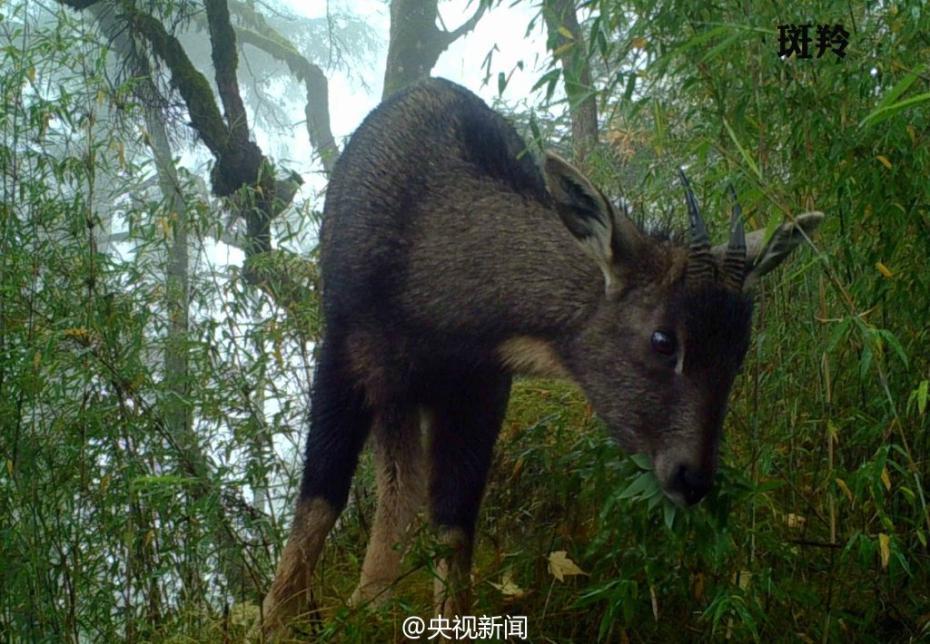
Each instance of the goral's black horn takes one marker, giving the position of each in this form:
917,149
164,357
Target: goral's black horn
700,261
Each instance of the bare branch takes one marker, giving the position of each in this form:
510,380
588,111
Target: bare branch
264,37
466,26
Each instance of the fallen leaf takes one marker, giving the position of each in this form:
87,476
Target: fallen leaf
884,270
507,586
560,566
884,161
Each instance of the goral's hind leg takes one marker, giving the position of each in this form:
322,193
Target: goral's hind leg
401,479
468,416
340,418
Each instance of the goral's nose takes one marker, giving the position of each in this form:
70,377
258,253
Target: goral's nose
692,483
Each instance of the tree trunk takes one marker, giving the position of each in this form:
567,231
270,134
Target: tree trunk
416,42
572,54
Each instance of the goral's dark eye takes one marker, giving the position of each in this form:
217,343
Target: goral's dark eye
663,343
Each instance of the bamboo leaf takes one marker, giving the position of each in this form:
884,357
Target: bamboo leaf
882,113
742,150
900,87
884,546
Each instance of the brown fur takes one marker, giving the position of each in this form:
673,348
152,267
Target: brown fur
400,470
451,587
290,595
532,357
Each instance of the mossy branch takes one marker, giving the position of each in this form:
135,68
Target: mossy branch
191,84
225,62
240,163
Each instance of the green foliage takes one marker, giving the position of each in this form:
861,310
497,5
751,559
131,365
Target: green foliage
118,523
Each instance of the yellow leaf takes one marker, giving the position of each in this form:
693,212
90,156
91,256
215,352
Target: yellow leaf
9,467
886,479
832,431
560,566
104,483
31,73
884,161
507,587
795,520
912,132
697,587
845,488
884,270
744,578
884,545
562,49
638,42
78,334
565,32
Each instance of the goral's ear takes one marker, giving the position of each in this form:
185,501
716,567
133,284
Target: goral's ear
607,236
762,259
